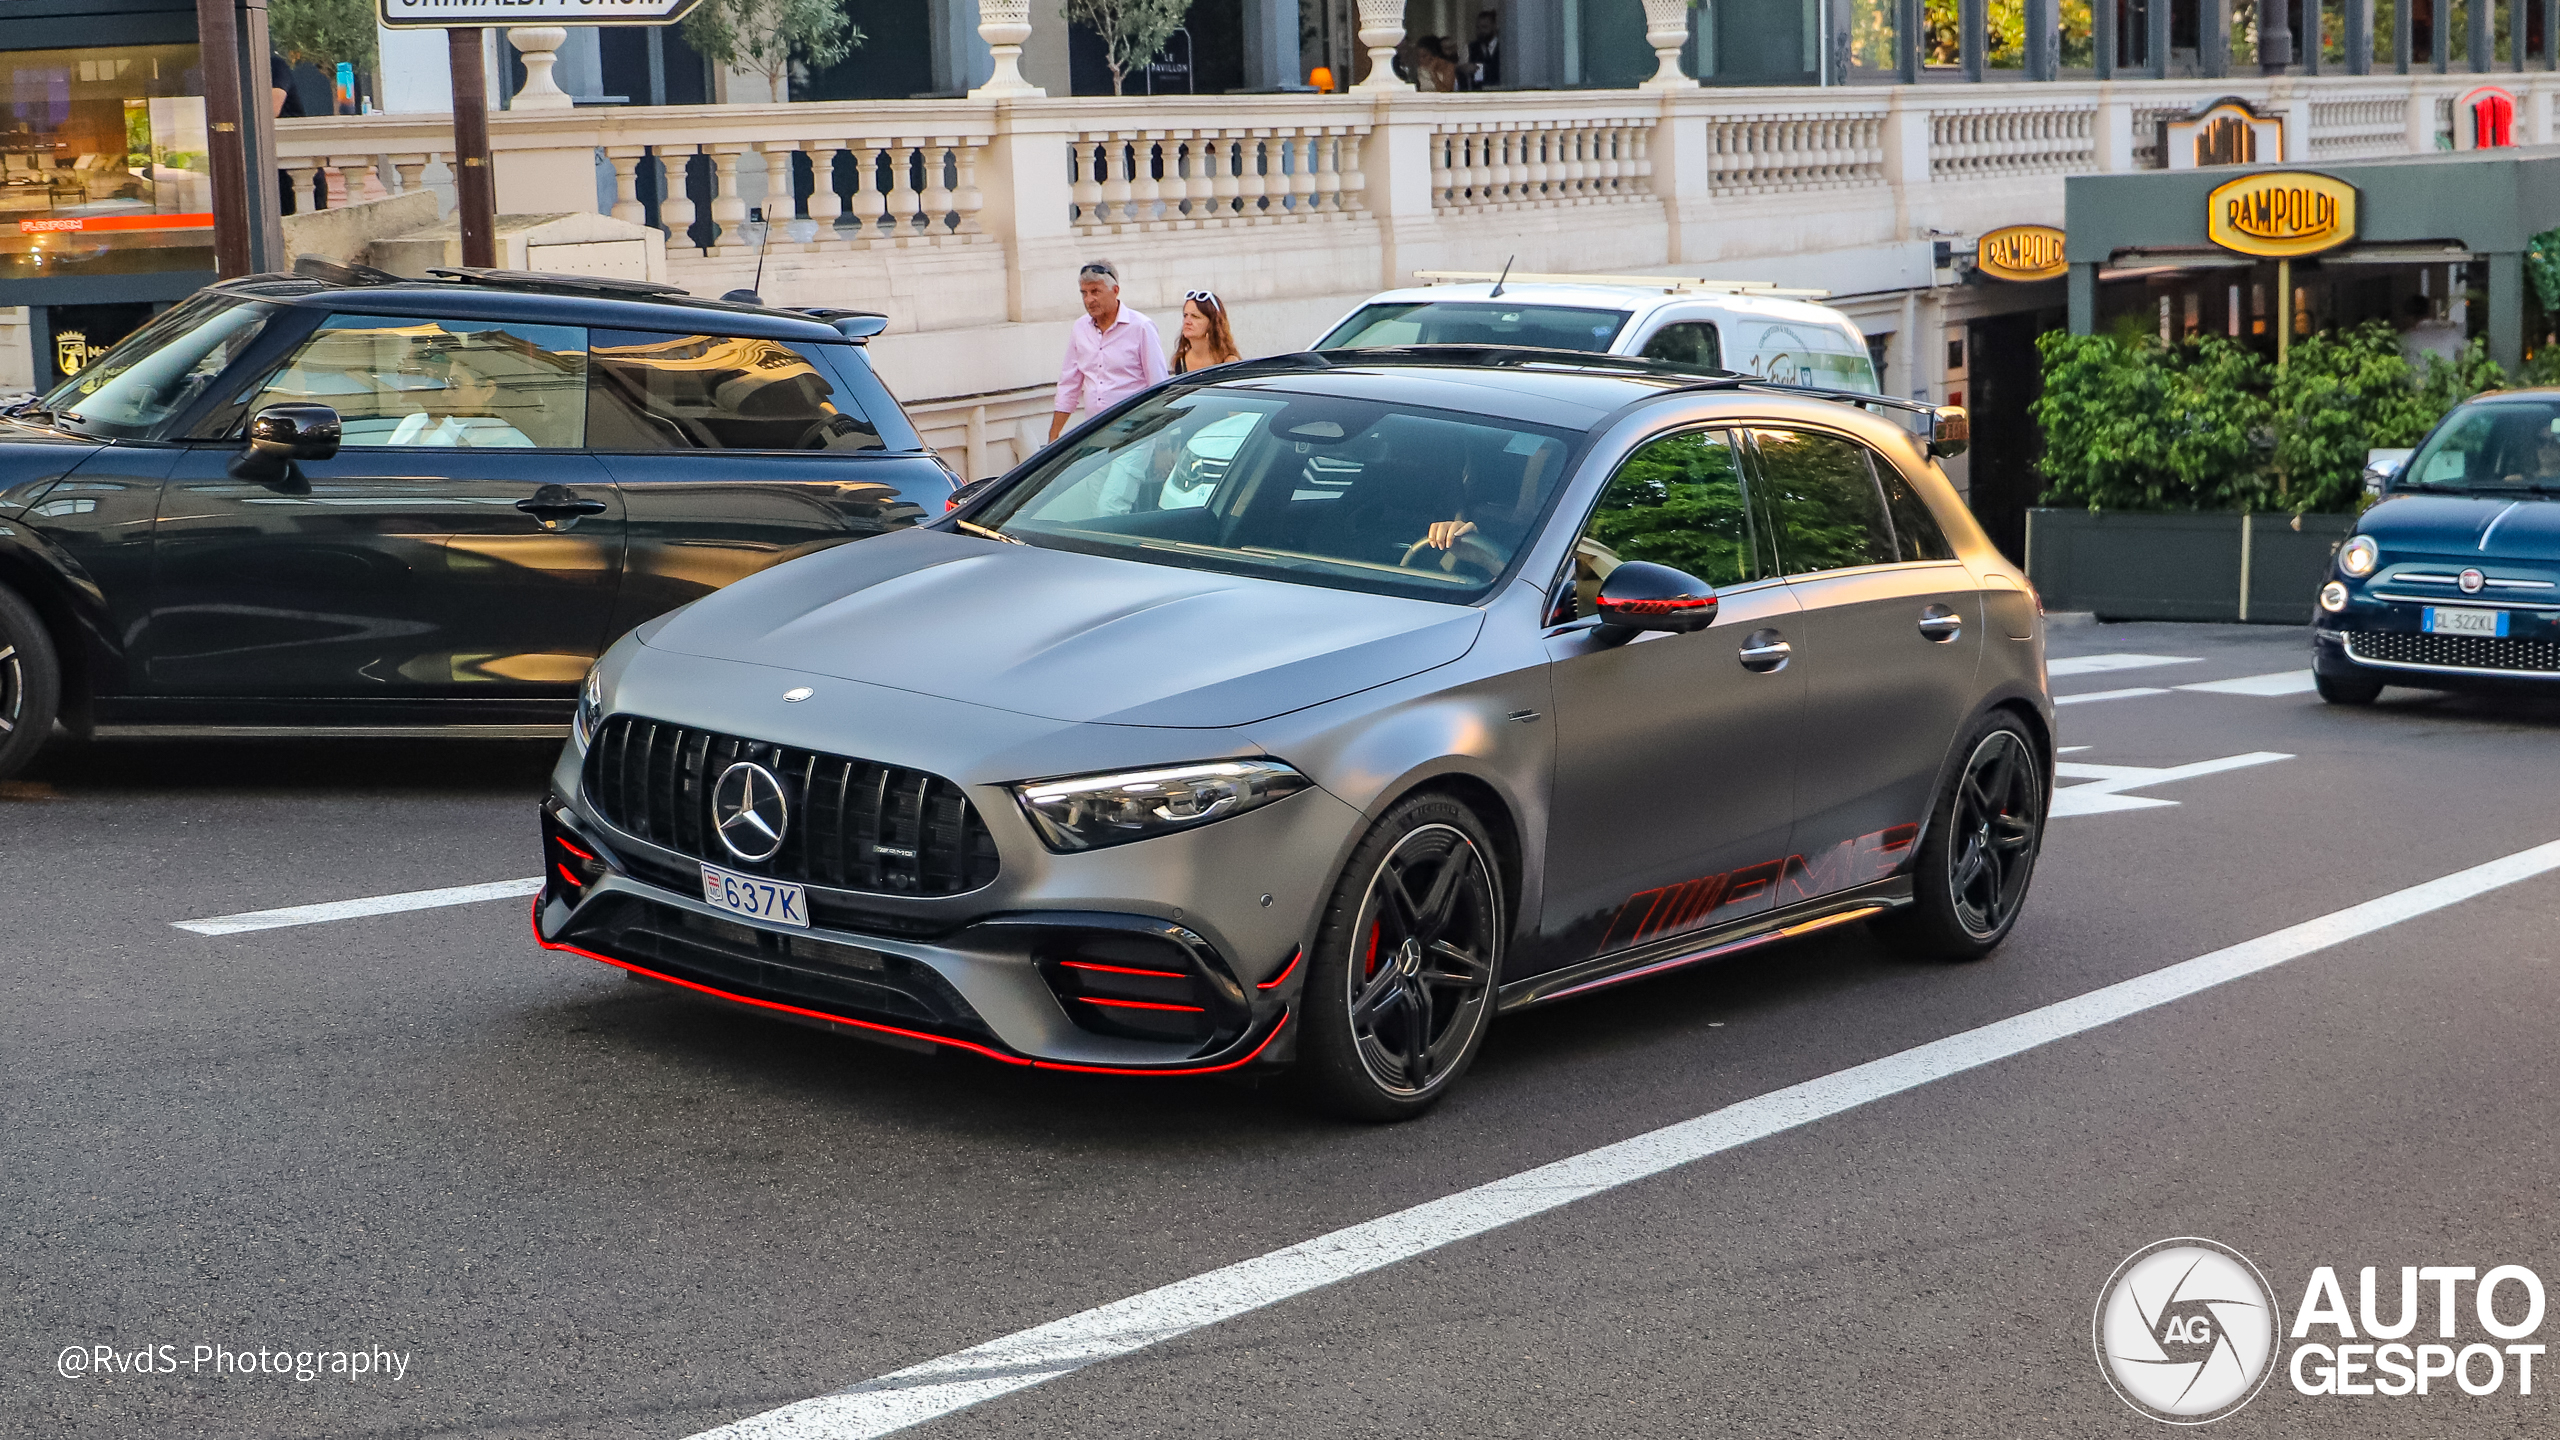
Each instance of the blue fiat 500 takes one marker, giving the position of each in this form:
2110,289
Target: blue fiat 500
2453,581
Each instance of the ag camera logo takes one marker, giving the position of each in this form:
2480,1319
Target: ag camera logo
2186,1331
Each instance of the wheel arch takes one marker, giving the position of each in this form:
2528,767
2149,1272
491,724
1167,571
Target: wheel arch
56,603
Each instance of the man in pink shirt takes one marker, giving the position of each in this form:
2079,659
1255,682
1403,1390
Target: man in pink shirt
1112,353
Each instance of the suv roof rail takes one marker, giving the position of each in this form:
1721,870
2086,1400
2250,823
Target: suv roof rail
331,272
1667,284
545,282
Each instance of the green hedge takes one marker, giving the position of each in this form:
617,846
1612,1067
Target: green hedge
2208,425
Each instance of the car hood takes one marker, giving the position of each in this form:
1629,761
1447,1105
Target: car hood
1069,637
2452,526
32,460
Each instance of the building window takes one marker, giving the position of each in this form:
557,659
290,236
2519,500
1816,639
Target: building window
102,163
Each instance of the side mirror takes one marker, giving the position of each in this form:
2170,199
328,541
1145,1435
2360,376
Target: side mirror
282,434
1950,431
1640,595
2381,467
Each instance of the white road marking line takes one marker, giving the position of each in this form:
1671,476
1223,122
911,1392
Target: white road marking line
2106,695
370,905
2099,664
2109,781
2283,682
1026,1358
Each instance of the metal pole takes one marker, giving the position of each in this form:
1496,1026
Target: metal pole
2155,46
2359,37
2284,310
1910,18
2404,32
475,201
2313,39
218,41
2103,59
2518,36
1974,37
2275,36
2481,42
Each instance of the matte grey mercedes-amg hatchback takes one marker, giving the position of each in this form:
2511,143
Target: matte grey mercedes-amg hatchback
1315,710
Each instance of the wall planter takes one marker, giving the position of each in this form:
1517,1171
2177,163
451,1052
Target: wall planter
2125,565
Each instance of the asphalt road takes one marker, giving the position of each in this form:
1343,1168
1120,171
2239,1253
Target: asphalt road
582,1207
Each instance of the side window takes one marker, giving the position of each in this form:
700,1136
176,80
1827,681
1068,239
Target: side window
1916,533
463,384
1821,498
1687,342
1676,501
650,391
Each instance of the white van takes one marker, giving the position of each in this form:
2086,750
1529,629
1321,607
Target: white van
1710,324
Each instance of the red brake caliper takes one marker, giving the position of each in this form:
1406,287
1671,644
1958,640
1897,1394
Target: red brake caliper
1372,967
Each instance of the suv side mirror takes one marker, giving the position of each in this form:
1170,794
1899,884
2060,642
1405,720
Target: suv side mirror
282,434
1950,431
1640,595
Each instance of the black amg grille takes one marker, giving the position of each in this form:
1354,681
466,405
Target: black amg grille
854,824
2462,652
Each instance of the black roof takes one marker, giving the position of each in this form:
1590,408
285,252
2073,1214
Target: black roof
528,295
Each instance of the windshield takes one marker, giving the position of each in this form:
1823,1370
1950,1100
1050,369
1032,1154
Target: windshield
1326,490
2509,447
1477,322
159,369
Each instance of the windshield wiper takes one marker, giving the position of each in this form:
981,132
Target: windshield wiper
983,532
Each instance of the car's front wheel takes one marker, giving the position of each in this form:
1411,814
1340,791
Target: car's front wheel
1400,988
30,683
1970,879
2345,689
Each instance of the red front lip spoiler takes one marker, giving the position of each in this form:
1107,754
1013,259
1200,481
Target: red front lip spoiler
988,1051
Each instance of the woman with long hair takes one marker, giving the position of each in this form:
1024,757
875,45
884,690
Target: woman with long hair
1205,338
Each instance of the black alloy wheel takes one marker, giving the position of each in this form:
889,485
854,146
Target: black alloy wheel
29,684
1402,987
1970,880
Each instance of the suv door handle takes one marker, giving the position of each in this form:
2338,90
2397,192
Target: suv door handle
1765,651
1941,624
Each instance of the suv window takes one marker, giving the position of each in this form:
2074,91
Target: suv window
159,369
465,384
1676,501
649,391
1687,342
1820,494
1478,322
1916,533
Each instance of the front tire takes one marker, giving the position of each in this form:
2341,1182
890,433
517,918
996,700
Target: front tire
1970,879
30,683
1400,989
2345,689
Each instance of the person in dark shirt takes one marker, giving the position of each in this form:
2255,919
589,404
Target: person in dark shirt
288,105
1484,56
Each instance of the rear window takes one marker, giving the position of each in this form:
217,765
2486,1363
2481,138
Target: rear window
655,391
1476,322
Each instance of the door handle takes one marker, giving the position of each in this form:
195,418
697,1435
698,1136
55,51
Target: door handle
564,503
1940,624
1765,651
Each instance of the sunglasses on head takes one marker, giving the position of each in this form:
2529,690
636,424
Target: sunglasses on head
1203,297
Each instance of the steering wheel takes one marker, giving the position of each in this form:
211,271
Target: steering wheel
1470,549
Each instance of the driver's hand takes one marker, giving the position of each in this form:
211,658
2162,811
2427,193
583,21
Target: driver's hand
1445,533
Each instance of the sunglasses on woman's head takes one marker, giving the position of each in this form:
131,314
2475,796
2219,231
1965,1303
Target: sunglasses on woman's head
1201,297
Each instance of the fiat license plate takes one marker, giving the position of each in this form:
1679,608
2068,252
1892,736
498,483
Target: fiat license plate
2438,620
757,899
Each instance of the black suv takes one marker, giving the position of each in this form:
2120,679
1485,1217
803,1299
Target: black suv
367,503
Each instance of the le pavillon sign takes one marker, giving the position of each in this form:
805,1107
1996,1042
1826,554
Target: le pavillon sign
2281,214
462,14
2020,252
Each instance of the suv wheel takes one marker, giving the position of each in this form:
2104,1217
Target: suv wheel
30,683
1970,880
1400,989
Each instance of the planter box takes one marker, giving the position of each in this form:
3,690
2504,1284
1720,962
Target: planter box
2184,566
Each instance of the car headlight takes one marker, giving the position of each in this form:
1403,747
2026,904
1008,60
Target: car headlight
590,705
2358,557
2333,597
1087,812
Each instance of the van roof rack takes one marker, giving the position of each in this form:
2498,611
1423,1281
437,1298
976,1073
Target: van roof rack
1667,284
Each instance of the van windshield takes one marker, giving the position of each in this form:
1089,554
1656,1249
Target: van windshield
1477,322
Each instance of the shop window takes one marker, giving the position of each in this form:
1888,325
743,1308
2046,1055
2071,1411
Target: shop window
103,163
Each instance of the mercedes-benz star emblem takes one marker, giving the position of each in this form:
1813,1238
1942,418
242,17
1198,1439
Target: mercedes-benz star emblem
2472,580
747,810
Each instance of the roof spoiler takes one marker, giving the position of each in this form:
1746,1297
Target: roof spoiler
854,325
1667,284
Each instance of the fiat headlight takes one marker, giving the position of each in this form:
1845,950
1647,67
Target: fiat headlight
2333,597
590,705
2358,557
1087,812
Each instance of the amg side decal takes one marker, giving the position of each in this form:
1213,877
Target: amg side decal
1711,900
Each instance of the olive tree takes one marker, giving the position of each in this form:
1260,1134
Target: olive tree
1133,32
764,37
327,33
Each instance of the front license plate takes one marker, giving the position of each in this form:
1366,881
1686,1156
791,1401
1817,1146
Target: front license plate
2437,620
757,899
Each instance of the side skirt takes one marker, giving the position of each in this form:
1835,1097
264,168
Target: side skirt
1697,947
